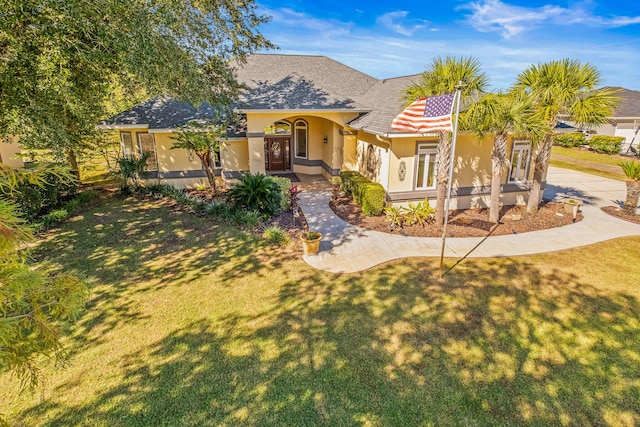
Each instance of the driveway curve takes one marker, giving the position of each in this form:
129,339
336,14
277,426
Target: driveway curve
346,248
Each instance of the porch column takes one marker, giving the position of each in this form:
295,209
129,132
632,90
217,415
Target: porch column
256,152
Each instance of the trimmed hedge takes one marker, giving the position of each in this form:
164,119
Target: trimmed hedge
373,199
369,195
606,144
572,139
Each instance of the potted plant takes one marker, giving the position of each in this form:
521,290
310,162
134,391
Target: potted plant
311,242
571,206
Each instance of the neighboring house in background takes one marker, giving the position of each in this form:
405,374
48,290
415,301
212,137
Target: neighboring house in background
10,154
313,115
624,122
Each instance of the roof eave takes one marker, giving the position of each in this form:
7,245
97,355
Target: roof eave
301,111
122,126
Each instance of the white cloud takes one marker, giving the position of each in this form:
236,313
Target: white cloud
495,16
509,20
397,22
384,54
301,22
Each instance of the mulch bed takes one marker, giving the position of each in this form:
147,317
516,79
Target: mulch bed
622,214
294,224
465,222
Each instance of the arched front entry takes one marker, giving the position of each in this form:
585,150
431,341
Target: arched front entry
277,147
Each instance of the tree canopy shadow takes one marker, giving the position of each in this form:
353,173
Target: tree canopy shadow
500,342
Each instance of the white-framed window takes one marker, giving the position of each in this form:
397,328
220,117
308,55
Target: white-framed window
520,159
147,144
126,142
426,165
302,138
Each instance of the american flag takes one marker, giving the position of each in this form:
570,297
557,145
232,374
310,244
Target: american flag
426,115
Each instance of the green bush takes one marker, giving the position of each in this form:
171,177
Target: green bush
345,179
370,196
285,194
572,139
358,183
247,219
373,198
275,235
36,199
606,144
54,217
256,192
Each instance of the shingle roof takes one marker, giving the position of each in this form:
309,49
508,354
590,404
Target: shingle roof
304,82
164,112
629,105
301,82
385,99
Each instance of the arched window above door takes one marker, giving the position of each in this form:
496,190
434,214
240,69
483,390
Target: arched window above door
278,128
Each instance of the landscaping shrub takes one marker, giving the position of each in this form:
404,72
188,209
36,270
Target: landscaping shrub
572,139
275,235
36,199
247,219
345,178
285,192
256,192
606,144
369,195
130,170
358,183
373,198
419,213
56,216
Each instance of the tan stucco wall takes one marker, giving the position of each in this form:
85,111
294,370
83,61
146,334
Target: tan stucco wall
472,166
235,155
9,154
320,125
173,160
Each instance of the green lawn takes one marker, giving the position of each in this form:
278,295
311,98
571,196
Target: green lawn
588,161
194,323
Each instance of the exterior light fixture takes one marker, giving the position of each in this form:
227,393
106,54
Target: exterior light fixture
325,140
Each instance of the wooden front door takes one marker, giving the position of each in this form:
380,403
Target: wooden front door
277,153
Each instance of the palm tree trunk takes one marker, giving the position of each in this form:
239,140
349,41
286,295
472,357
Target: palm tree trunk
444,160
498,159
633,196
541,163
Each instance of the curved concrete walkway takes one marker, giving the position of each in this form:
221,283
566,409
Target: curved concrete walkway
346,248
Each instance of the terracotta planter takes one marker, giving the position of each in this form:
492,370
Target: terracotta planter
311,246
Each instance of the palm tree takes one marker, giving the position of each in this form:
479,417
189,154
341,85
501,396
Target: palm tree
441,77
562,88
632,170
499,114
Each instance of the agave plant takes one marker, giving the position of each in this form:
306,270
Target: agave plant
631,169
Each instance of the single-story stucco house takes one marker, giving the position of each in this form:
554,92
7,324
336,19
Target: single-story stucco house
314,115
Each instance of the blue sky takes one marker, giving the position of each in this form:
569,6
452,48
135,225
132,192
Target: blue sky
390,39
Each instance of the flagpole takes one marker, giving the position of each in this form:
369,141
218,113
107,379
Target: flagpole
458,88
